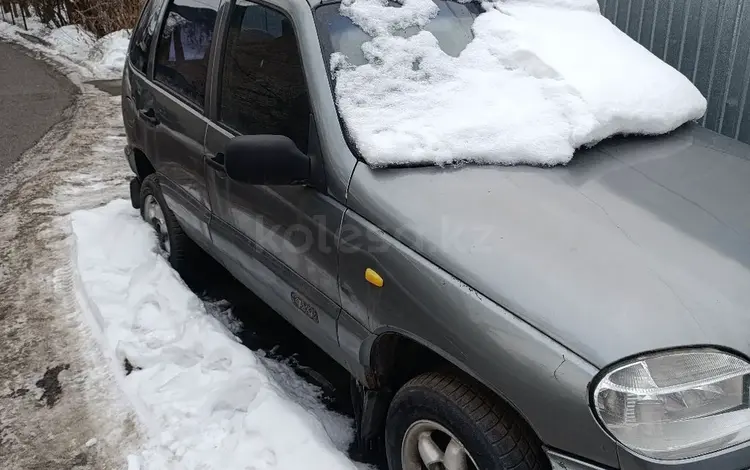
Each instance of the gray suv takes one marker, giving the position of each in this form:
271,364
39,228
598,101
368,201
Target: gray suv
591,316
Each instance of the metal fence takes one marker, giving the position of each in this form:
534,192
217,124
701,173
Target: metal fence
707,40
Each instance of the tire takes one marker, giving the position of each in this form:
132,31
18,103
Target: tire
493,435
180,251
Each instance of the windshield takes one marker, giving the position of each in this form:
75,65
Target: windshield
509,82
451,27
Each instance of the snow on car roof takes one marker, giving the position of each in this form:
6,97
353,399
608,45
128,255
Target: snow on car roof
539,79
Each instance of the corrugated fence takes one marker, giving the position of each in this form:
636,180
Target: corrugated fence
707,40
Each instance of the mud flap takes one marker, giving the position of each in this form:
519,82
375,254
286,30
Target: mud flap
370,408
135,193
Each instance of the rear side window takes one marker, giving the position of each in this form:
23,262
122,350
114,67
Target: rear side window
144,33
182,52
263,89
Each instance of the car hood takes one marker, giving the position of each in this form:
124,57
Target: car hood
638,244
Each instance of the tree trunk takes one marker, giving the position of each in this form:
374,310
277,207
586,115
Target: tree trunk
24,6
73,16
60,18
23,15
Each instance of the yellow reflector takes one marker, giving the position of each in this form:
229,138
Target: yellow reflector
373,278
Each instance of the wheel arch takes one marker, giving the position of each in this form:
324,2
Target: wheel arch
143,166
382,349
381,352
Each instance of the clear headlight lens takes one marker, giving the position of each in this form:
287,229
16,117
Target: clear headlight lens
678,404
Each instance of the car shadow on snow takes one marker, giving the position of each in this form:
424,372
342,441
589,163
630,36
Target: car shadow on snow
262,329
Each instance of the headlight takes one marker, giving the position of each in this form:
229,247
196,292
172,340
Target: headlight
678,404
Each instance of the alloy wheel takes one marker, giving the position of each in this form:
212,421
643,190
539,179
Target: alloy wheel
428,445
154,215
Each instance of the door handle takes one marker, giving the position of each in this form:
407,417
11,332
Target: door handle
216,162
149,115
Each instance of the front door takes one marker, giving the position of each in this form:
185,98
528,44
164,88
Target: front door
180,73
280,240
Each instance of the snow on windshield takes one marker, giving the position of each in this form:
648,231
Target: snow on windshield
539,79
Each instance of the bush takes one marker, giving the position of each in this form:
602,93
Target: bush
101,17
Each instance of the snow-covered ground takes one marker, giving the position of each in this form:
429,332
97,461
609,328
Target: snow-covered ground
209,401
73,48
61,405
91,288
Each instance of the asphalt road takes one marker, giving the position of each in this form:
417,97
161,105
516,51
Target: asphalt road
32,98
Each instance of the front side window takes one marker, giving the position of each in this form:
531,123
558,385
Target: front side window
182,53
144,33
263,88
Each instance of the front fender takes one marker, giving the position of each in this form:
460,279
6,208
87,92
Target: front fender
546,383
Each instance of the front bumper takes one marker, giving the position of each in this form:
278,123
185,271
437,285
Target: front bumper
735,458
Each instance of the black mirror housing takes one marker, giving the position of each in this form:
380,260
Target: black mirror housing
266,160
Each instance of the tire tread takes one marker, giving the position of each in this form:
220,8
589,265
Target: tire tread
183,250
513,440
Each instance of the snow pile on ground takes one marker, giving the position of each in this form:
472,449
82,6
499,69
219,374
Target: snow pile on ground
540,79
72,47
71,41
109,52
209,401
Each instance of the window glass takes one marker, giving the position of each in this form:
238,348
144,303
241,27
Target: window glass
144,32
451,27
183,49
263,88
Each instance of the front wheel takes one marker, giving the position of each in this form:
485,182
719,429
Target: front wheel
443,422
174,244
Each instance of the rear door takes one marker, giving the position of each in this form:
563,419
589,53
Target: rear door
176,112
136,91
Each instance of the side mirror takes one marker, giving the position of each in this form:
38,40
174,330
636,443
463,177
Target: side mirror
266,160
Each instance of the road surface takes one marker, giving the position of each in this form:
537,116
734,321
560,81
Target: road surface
32,98
60,406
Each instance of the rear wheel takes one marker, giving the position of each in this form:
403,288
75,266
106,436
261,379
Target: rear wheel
442,421
174,244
